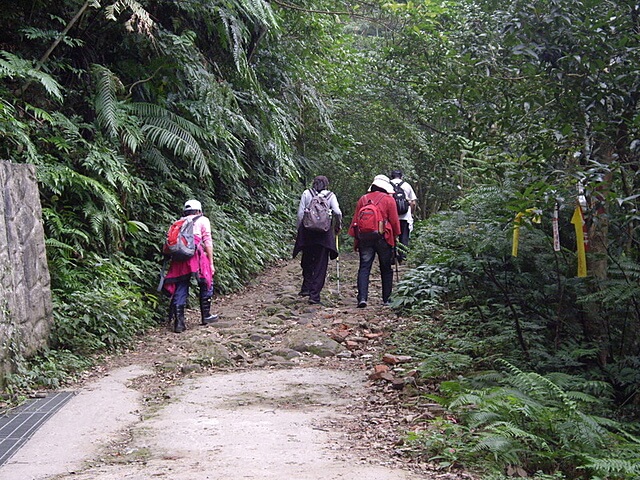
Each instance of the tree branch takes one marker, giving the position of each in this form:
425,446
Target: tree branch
144,80
57,41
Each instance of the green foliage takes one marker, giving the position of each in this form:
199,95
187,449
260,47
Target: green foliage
514,419
489,108
478,303
49,369
100,307
12,66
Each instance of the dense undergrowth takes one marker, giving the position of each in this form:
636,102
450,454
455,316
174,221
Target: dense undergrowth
527,393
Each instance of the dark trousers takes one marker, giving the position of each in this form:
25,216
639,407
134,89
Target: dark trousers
367,255
315,259
182,291
404,239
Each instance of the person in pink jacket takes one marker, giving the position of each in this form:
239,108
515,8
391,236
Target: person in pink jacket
178,278
380,193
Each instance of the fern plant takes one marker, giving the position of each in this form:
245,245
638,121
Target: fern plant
539,423
12,66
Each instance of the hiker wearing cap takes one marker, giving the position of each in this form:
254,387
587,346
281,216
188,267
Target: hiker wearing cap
200,265
406,218
319,221
378,204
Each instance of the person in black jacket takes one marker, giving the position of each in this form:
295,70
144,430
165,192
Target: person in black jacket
316,247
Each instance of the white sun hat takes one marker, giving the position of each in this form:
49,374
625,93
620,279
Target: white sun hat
383,182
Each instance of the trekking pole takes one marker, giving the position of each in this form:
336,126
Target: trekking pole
395,256
162,274
338,264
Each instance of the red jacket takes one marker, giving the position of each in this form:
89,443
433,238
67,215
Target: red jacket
387,206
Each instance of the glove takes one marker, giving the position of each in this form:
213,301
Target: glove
337,226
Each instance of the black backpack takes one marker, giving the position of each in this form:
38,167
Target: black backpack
402,204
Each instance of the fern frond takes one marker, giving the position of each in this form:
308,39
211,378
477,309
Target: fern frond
155,159
166,134
495,444
613,466
59,177
106,101
152,112
13,66
482,418
54,244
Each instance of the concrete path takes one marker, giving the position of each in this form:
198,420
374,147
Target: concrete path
261,424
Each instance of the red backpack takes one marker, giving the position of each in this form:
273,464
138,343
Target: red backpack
370,223
180,243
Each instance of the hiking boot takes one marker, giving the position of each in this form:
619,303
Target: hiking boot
205,312
362,304
172,314
304,293
179,325
315,302
209,319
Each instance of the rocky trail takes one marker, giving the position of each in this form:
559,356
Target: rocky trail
277,388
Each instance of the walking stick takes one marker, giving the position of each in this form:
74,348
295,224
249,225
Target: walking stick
338,264
161,282
395,256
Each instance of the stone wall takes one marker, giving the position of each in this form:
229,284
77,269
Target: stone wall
25,289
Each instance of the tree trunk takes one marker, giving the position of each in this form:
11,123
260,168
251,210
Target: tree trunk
596,325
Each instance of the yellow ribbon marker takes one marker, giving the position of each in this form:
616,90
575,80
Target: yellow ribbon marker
535,218
516,234
578,223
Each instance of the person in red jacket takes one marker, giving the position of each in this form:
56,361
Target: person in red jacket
379,193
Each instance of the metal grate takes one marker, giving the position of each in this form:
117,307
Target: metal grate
19,425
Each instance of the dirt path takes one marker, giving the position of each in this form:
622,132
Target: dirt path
277,389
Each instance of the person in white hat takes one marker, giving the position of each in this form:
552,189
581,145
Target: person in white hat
178,278
379,199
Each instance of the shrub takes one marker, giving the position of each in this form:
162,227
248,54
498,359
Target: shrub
107,311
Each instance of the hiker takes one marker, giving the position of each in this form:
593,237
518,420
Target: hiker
375,207
316,244
200,266
406,219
